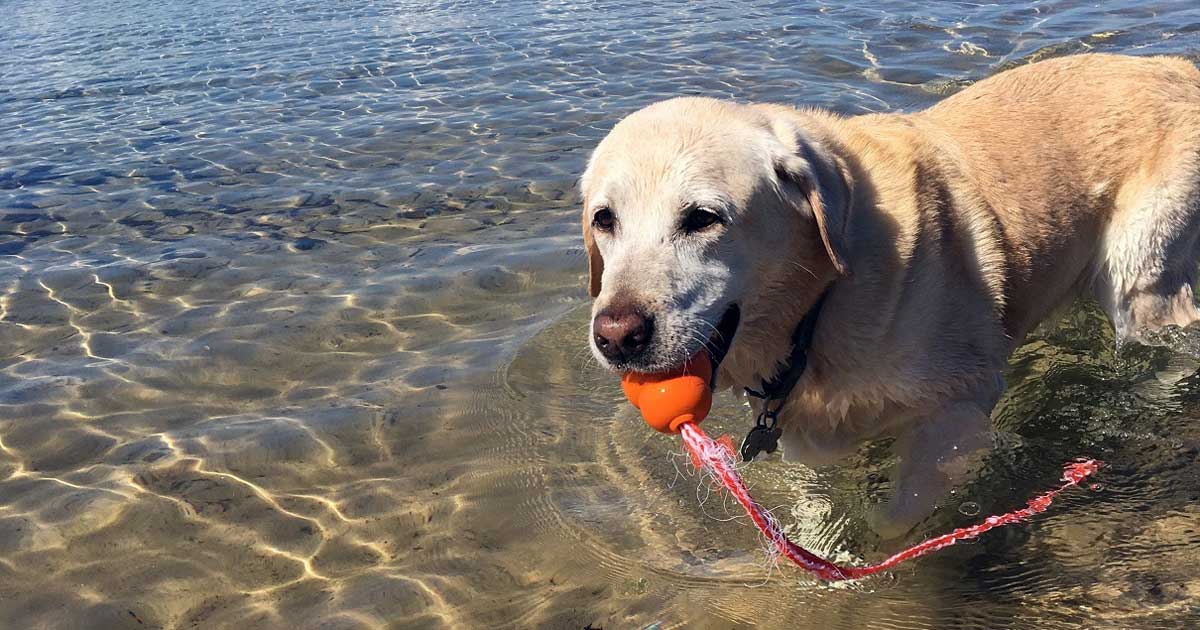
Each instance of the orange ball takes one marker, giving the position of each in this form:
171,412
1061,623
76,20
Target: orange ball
669,399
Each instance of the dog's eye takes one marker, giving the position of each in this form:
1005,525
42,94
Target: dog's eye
603,220
698,219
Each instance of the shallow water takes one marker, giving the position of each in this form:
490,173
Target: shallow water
291,331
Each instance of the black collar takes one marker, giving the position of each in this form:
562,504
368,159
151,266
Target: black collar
765,435
778,388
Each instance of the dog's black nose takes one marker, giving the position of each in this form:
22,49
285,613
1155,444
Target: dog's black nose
622,334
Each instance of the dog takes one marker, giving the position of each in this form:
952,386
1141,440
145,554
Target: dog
922,248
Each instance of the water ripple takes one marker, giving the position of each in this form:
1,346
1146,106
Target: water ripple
291,324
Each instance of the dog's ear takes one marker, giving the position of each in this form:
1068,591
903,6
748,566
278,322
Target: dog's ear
811,175
595,262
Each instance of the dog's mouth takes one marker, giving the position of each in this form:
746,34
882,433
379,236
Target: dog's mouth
716,346
719,342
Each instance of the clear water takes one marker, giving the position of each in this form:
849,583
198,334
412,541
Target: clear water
291,316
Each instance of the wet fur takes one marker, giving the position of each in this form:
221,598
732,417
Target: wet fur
947,235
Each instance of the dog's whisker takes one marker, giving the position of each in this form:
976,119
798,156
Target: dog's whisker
716,331
802,267
705,343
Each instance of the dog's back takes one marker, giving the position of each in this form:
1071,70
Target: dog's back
1091,164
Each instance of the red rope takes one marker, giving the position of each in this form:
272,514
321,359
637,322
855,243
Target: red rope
719,459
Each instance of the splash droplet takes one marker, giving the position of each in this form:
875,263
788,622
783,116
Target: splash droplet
970,508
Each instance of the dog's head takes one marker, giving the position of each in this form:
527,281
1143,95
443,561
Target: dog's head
695,210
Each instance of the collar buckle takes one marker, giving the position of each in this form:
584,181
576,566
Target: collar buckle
767,413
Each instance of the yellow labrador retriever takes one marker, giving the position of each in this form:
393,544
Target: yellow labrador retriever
919,248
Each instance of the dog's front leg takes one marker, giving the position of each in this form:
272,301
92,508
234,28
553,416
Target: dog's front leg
935,453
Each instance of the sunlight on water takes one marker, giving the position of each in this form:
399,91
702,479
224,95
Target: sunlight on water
292,331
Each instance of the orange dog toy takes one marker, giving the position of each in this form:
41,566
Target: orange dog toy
668,400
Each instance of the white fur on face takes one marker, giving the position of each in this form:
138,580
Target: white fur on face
649,172
685,282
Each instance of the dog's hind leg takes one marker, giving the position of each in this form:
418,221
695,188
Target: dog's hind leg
1147,265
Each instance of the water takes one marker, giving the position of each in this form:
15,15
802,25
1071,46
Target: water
291,315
